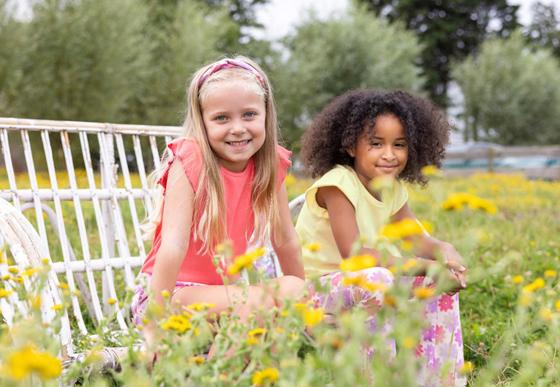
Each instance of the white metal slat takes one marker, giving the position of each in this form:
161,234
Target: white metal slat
142,173
62,232
34,187
81,226
109,278
105,255
155,152
9,167
122,240
131,203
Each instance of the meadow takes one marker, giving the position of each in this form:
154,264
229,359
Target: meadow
506,228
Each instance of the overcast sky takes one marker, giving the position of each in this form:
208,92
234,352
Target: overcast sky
280,16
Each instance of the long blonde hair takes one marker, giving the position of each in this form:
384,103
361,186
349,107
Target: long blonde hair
209,205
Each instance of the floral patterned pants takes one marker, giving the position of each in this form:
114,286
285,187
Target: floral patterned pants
441,341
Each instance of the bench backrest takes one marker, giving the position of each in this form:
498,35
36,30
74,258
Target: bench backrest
84,188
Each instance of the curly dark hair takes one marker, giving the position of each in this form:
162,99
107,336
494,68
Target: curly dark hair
341,123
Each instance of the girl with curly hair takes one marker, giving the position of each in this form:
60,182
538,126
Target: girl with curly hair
360,136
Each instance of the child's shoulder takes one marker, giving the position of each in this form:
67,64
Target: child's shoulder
188,152
338,176
184,146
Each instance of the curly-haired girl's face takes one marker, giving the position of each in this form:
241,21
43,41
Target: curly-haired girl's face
381,153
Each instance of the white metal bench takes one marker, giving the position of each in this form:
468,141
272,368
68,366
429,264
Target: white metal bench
106,207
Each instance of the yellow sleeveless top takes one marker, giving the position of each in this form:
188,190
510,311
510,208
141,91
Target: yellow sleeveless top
313,224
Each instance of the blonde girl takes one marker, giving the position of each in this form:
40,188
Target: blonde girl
222,181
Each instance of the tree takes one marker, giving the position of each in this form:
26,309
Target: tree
511,93
79,60
184,35
449,31
544,29
330,57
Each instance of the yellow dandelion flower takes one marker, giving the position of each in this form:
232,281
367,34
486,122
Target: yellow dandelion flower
111,301
18,279
373,286
409,264
313,247
197,359
358,262
5,292
267,375
402,229
6,277
57,307
290,180
35,302
517,279
431,170
352,281
312,317
63,285
409,342
200,306
545,314
389,300
29,272
178,323
254,335
535,285
13,269
467,368
407,245
422,292
245,261
550,273
28,360
557,305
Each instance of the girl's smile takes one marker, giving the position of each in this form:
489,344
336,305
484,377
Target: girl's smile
234,116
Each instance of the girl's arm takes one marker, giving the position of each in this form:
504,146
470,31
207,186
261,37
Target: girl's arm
428,247
285,240
176,227
345,229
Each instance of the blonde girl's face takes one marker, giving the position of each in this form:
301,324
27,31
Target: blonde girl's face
384,154
234,115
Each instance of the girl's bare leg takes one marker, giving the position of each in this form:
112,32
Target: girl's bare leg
256,297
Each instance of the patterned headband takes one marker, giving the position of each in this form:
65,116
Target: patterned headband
228,64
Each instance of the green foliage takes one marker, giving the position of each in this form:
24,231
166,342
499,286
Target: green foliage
330,57
183,37
449,30
511,93
79,59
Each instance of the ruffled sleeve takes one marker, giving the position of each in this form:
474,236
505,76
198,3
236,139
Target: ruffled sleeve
188,152
284,163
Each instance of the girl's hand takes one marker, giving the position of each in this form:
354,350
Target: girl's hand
457,279
454,262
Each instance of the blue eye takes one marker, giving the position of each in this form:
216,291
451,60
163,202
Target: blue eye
221,117
250,114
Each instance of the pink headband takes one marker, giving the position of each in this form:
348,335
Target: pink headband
228,64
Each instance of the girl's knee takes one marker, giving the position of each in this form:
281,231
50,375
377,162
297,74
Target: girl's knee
291,285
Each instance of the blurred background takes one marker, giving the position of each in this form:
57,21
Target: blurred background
494,65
